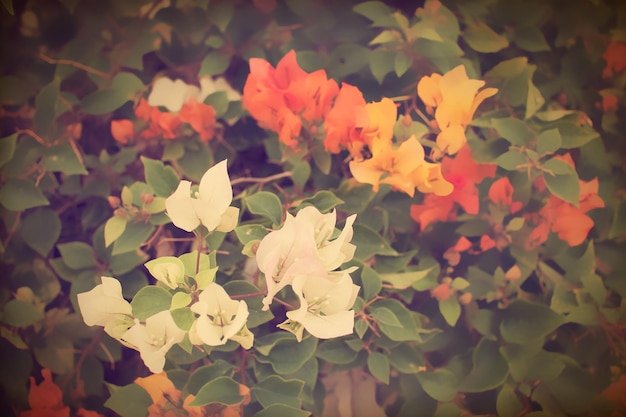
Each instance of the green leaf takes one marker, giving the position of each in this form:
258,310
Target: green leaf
450,310
482,38
346,59
281,410
19,195
534,100
574,135
46,106
404,280
8,5
378,365
55,351
564,184
322,159
276,390
514,130
19,313
41,230
594,285
511,160
113,229
524,322
531,39
386,36
378,12
372,282
149,301
369,243
381,63
402,63
7,148
133,236
490,369
574,390
221,15
336,351
250,232
77,255
63,158
385,316
440,384
205,373
548,141
123,88
219,101
221,390
161,178
214,63
129,401
180,300
323,200
284,352
300,173
406,331
507,402
266,204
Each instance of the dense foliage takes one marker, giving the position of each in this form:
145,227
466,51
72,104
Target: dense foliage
312,208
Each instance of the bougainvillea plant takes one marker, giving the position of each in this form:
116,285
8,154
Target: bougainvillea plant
278,208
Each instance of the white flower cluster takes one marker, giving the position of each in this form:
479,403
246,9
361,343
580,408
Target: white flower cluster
302,254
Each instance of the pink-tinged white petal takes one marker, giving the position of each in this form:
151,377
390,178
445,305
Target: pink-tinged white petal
180,209
103,303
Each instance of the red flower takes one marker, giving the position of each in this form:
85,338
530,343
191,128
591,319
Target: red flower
45,399
122,131
464,173
615,56
501,192
200,116
340,122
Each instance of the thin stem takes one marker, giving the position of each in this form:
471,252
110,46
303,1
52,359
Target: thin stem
284,303
34,135
253,294
75,64
261,180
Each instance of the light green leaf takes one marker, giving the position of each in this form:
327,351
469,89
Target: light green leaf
281,410
129,401
266,204
548,141
221,390
19,313
41,229
378,365
507,402
523,322
594,285
376,11
180,300
450,310
250,232
124,87
564,184
385,36
385,316
300,173
113,229
19,195
407,331
482,38
77,255
440,384
133,236
322,159
149,301
276,390
161,178
7,148
205,277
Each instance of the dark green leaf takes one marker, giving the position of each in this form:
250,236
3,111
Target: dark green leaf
41,229
369,243
7,148
221,390
323,200
524,322
490,369
378,365
281,410
276,390
514,130
133,236
482,38
19,195
440,384
512,160
564,184
63,158
129,401
161,178
149,301
77,255
266,204
46,106
214,63
548,141
19,313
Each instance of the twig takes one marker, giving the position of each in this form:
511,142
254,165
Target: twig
261,180
33,135
75,64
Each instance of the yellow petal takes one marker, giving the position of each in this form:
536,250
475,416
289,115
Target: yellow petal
429,91
366,172
450,140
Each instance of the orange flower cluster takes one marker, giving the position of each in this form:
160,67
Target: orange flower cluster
167,401
46,400
569,222
464,174
287,99
155,123
615,57
456,98
402,167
